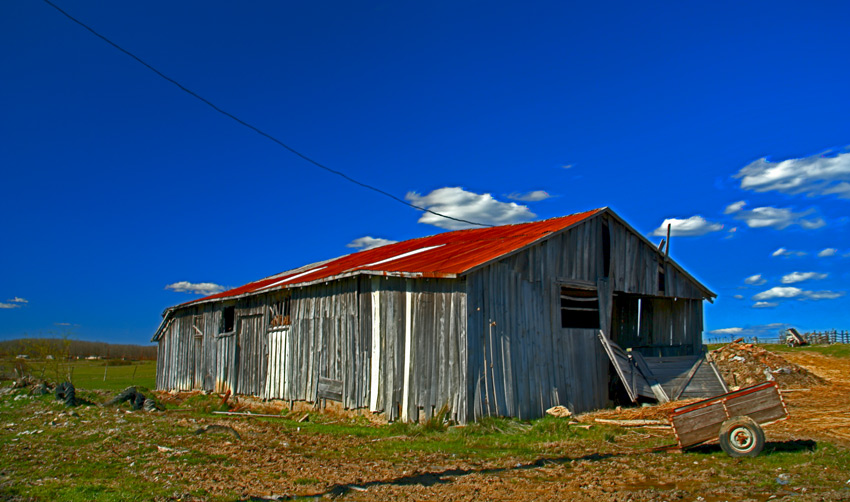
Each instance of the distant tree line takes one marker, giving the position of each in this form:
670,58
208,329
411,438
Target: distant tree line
41,348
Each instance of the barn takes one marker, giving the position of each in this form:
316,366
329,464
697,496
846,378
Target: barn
504,321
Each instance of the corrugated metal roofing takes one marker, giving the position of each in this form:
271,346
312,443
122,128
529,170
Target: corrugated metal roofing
448,254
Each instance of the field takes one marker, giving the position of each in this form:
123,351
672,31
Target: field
93,374
48,452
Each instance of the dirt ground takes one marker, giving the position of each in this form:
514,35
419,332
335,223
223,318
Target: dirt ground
617,472
273,462
821,412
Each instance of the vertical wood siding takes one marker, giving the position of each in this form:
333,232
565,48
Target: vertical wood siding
490,343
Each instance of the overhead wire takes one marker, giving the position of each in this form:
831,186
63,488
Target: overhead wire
255,128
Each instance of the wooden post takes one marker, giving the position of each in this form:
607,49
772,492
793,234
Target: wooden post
667,248
105,367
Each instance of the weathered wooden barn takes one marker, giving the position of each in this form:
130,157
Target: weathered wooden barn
493,321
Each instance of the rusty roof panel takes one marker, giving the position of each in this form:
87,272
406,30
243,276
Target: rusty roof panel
449,254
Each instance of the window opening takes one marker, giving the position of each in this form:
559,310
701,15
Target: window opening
280,312
228,318
579,308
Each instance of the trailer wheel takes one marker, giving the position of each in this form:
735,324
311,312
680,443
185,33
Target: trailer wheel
741,437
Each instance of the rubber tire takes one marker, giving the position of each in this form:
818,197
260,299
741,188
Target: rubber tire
741,437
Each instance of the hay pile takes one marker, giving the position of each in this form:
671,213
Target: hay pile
744,364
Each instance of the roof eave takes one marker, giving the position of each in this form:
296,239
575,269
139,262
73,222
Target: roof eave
345,275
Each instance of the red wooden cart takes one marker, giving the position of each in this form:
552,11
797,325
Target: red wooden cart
734,418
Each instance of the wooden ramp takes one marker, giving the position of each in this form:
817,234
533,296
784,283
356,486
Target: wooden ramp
664,378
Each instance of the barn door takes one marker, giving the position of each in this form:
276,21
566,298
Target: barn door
250,355
278,363
226,361
199,362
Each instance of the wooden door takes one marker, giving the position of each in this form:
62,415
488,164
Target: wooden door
250,355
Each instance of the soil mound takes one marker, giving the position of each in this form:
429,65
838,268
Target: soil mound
744,364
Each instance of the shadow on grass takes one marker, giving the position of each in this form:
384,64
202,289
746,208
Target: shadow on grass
770,447
428,479
437,478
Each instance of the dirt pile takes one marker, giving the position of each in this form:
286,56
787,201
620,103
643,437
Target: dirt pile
744,364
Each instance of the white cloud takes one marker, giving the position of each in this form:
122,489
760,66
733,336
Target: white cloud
779,292
368,242
827,252
689,227
61,324
820,174
568,166
764,305
801,276
792,292
536,195
738,297
18,299
785,252
778,218
735,207
9,305
458,203
824,295
755,280
198,288
726,331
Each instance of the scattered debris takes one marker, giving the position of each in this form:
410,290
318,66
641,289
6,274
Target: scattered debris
219,428
150,405
793,338
137,400
26,433
24,381
40,390
65,392
559,411
745,364
305,418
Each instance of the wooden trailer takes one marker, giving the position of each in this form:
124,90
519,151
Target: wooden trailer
734,418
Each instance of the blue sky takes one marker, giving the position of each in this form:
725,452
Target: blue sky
727,118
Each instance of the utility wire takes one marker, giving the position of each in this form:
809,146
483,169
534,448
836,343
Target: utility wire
254,128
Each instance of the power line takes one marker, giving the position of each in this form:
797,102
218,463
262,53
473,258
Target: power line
254,128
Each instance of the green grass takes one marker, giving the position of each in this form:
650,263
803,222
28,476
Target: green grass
87,374
835,350
109,455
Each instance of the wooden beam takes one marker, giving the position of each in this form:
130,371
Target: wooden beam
688,378
640,362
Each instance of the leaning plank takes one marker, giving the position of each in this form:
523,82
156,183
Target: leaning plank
621,364
630,423
247,414
660,395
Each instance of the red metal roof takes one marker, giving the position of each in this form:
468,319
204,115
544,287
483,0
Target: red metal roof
448,254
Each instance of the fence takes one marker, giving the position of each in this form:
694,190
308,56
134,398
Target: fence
812,337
